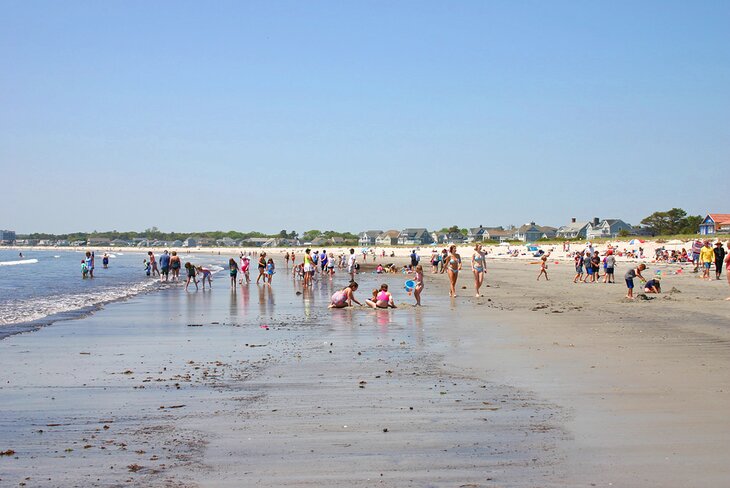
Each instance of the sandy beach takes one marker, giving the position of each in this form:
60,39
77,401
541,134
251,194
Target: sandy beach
534,384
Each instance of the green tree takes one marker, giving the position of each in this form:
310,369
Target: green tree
674,221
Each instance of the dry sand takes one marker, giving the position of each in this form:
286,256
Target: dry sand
535,384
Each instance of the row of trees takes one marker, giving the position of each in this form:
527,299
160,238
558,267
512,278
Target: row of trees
154,233
671,222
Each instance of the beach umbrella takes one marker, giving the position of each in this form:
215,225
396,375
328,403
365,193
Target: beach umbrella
635,242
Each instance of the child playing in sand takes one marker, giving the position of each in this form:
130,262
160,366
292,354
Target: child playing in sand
629,277
419,285
383,298
191,275
233,269
344,298
543,268
653,285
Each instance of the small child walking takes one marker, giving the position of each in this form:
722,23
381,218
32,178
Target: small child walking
543,268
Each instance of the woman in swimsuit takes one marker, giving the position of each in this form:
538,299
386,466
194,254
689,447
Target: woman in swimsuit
383,299
478,267
308,268
191,276
233,270
453,266
345,297
175,266
262,267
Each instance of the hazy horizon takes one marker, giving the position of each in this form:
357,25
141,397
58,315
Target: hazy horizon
352,116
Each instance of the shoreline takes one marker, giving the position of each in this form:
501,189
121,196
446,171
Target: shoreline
596,389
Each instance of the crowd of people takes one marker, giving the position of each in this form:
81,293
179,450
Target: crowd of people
590,267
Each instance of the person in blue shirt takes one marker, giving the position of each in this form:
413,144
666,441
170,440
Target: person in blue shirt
165,266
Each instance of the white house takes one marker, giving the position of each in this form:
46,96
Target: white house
573,230
369,237
388,238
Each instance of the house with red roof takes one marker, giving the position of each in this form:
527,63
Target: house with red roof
715,224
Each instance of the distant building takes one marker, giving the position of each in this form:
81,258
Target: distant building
7,237
532,232
477,234
715,224
254,241
498,234
574,230
226,241
369,237
98,241
610,228
190,242
388,238
414,237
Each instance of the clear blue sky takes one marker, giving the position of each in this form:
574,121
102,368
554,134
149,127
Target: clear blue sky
358,115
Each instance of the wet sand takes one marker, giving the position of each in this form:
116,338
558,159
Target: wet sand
535,384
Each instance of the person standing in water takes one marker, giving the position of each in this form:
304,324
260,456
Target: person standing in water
165,266
419,284
233,270
308,268
352,265
175,266
105,261
262,267
90,263
153,263
453,266
191,276
478,267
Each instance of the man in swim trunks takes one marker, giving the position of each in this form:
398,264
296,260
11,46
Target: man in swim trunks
165,265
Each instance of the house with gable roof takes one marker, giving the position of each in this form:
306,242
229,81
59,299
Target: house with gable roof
715,224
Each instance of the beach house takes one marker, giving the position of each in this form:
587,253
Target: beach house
574,230
414,237
607,228
532,232
388,238
369,237
715,224
476,234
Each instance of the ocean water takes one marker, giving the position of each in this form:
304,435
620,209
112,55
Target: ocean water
46,285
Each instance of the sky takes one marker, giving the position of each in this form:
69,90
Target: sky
349,115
